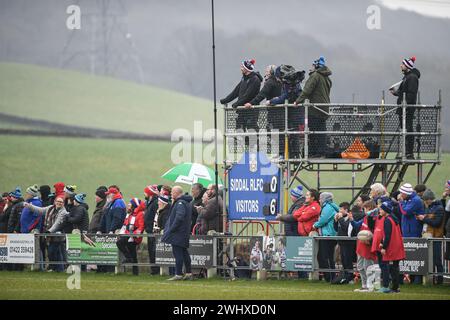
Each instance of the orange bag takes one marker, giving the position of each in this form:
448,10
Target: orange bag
357,150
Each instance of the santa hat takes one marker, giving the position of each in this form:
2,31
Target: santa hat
151,190
249,65
409,63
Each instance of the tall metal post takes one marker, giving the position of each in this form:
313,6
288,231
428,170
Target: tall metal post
305,156
286,157
404,127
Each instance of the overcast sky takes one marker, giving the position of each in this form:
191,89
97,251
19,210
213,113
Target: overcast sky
434,8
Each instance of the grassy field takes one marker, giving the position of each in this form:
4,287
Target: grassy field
74,98
29,285
132,165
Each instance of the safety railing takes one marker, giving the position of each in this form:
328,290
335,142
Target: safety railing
236,254
375,131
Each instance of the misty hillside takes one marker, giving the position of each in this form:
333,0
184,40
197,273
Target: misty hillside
169,43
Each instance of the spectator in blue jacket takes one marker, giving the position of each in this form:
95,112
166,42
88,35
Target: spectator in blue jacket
410,206
30,220
115,212
177,231
325,256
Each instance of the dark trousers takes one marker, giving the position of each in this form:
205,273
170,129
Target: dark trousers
317,142
182,257
409,143
325,257
348,256
55,254
437,261
247,119
129,251
151,246
390,271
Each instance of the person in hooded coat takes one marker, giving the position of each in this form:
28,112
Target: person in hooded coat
409,86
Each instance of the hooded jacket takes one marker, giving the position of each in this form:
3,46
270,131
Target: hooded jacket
434,219
14,216
317,89
114,214
270,90
409,209
79,218
30,220
96,221
326,219
245,91
178,227
134,223
409,86
307,216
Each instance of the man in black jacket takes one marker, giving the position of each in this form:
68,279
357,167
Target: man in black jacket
409,87
290,223
78,216
151,193
245,91
197,191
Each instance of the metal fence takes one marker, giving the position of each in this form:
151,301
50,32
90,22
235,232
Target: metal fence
232,255
329,129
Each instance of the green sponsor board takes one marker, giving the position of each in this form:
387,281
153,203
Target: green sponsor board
92,249
299,253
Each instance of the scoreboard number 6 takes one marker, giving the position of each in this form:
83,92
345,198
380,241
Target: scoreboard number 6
273,207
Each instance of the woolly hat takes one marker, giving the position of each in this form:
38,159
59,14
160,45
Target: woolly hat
249,65
406,189
45,191
164,197
70,190
59,188
80,198
428,195
387,207
409,62
33,190
326,196
151,190
101,192
319,62
17,193
297,192
135,202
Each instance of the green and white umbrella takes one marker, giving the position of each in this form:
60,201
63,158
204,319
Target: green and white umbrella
190,173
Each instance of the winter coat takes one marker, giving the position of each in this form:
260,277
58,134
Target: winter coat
289,92
30,220
54,220
317,90
362,249
409,86
434,220
4,216
307,215
177,229
245,91
161,217
326,220
96,220
387,234
410,208
14,216
151,206
210,216
79,218
196,202
270,90
114,215
134,223
291,223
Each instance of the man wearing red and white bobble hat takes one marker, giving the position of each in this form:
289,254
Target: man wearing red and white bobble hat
409,86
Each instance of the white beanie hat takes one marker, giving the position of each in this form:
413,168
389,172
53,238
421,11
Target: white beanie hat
406,189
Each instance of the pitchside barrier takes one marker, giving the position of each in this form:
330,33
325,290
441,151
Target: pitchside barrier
227,256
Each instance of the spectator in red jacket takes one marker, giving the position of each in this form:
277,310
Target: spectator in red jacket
309,213
387,243
133,224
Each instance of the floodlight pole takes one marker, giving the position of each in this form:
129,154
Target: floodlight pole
216,170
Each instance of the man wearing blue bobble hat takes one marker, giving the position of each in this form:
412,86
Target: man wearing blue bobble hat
317,90
290,223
